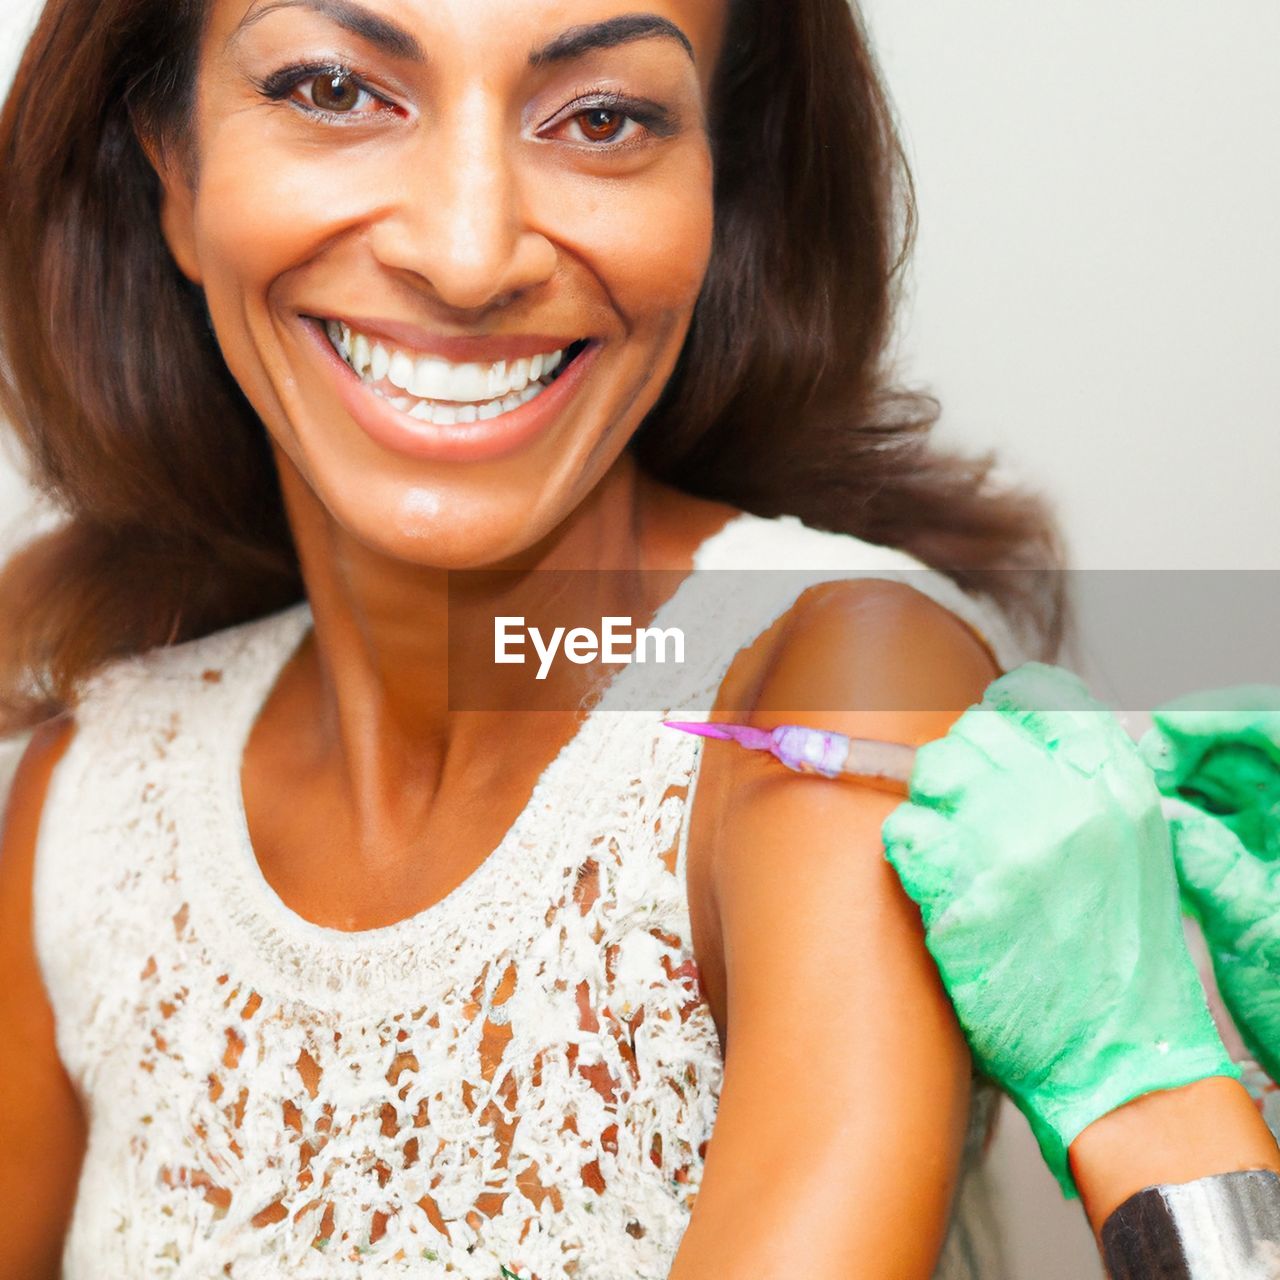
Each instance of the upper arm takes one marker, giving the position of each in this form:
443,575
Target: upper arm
846,1086
41,1124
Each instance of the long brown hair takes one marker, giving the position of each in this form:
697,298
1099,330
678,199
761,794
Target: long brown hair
133,425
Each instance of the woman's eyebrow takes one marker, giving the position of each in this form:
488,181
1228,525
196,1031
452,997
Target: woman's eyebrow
394,39
360,21
607,34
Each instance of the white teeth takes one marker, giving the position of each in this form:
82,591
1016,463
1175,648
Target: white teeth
440,392
360,353
401,371
447,414
431,379
470,382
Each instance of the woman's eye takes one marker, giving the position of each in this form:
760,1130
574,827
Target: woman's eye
328,92
336,93
600,124
608,126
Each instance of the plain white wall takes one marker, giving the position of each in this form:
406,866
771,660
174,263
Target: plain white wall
1097,282
1096,291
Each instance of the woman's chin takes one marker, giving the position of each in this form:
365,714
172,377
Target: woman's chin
428,523
417,533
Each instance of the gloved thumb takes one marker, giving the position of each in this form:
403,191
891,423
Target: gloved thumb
918,843
1160,755
1228,889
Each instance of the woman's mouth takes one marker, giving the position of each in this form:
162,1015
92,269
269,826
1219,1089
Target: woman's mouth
431,389
419,404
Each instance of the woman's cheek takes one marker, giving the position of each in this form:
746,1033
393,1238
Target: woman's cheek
262,213
647,239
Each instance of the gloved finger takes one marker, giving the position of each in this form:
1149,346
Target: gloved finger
1231,777
1055,706
1229,889
985,767
993,737
1268,833
1039,685
1236,783
1188,726
1017,756
1160,755
921,846
1252,996
1256,827
945,770
914,828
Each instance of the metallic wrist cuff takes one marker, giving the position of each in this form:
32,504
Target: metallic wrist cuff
1225,1227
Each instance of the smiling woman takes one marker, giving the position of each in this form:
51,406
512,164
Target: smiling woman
306,305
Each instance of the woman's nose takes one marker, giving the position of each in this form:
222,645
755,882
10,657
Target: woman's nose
459,223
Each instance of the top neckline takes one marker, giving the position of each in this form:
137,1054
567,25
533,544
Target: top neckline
288,631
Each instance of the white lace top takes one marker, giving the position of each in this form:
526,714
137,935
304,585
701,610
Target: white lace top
521,1080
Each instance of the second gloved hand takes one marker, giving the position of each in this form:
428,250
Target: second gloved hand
1035,844
1219,751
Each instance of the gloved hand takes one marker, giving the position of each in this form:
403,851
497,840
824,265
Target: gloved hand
1219,751
1035,844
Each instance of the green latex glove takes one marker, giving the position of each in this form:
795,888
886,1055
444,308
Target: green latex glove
1236,898
1035,843
1219,751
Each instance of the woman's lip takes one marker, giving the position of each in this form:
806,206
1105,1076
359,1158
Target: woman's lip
465,442
484,349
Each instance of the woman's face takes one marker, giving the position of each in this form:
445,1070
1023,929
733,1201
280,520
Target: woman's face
451,248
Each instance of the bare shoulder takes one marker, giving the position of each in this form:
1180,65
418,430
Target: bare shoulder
869,658
883,659
852,634
839,1038
41,1125
865,642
